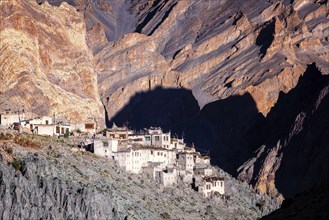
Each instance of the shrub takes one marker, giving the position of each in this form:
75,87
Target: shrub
208,209
67,133
9,150
17,164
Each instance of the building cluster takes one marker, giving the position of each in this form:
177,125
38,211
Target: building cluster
168,159
44,125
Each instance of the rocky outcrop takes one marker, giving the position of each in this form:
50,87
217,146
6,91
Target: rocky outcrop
298,123
46,65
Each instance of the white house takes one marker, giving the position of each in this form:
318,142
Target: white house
204,171
162,140
135,158
51,129
210,185
8,118
178,144
32,123
185,160
202,159
157,138
105,148
166,177
45,129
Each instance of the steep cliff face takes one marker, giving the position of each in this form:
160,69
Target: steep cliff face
234,47
46,66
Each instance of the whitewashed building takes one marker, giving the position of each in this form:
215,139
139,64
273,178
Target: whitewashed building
133,159
210,185
51,129
167,177
203,171
8,118
185,160
105,148
178,144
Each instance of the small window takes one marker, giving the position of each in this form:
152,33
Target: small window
151,152
156,138
89,126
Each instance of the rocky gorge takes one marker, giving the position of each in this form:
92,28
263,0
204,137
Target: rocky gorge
246,80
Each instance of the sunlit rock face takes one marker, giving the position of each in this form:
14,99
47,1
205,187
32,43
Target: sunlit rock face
235,47
46,65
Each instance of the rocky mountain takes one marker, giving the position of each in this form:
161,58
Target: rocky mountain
46,65
243,79
56,181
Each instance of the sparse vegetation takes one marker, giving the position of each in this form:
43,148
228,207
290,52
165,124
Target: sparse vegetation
17,164
5,136
26,142
9,150
67,133
208,210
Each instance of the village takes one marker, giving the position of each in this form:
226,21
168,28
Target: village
168,159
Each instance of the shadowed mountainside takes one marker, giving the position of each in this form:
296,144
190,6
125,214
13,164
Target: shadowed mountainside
308,205
171,109
232,129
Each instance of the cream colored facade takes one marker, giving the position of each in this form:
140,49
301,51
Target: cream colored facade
210,185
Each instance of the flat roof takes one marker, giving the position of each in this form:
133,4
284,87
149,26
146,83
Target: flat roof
212,178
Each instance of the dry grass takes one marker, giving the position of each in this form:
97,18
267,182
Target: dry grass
6,137
27,142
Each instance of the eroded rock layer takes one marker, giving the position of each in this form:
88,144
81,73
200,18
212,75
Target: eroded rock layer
46,65
235,47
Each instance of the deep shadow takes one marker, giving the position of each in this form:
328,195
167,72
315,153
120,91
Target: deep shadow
224,128
156,5
266,37
232,129
305,138
171,109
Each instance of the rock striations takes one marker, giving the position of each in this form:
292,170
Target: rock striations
235,47
46,65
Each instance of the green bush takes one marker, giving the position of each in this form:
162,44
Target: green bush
67,133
